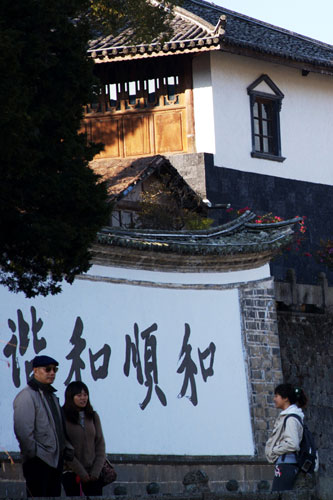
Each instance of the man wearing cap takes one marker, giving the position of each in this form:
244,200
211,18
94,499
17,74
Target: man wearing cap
39,430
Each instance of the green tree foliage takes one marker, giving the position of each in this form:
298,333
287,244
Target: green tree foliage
51,202
166,204
148,20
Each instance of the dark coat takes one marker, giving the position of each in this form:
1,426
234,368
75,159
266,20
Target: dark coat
89,446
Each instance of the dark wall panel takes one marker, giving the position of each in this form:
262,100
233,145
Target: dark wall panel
285,198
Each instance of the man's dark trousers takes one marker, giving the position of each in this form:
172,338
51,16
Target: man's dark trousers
41,479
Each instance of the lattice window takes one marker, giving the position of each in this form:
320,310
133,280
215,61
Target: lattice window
138,94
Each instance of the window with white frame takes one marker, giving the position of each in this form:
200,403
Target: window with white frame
265,104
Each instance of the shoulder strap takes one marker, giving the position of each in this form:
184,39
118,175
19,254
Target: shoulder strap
295,416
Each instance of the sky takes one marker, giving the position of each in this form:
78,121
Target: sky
313,19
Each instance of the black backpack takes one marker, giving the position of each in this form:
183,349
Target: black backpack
307,457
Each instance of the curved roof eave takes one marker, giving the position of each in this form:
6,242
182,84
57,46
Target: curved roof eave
200,26
239,244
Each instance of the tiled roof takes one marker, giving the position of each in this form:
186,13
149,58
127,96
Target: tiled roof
122,175
244,31
237,236
238,244
190,33
197,26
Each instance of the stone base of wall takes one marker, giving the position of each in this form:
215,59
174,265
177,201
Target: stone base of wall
164,479
187,479
304,495
207,482
11,494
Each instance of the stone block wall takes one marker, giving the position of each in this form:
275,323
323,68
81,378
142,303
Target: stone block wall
192,168
307,360
262,354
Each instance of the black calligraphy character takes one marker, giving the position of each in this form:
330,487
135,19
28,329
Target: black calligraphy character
102,371
11,347
151,373
23,335
189,367
23,332
207,372
36,326
39,344
133,349
28,369
79,345
10,350
150,363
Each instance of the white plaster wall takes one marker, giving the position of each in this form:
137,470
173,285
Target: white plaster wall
223,278
108,309
306,119
203,105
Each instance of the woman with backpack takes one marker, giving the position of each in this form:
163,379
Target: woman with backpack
284,443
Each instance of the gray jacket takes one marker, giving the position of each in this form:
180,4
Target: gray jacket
34,426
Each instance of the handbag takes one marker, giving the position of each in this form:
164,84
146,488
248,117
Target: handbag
108,474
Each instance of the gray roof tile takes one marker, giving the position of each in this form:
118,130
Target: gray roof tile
194,29
244,31
236,237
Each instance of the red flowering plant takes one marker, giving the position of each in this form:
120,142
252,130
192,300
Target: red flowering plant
236,213
325,253
299,230
269,218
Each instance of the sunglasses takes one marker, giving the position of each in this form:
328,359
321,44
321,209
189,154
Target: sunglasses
49,369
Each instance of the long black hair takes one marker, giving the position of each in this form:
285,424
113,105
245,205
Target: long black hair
295,395
70,409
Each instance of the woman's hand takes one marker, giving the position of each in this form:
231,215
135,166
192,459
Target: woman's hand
93,478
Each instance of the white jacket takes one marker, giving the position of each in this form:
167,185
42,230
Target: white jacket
285,439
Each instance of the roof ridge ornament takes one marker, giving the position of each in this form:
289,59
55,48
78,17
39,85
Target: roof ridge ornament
221,25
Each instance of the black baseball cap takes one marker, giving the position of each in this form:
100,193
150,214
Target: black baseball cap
43,361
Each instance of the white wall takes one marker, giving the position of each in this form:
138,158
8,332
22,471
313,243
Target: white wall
109,309
203,105
306,119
